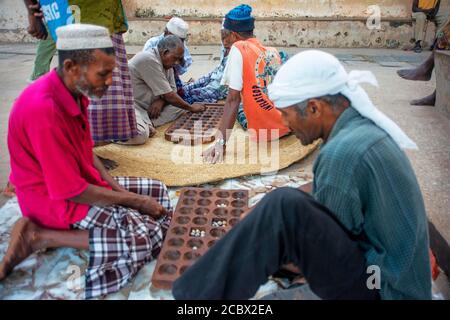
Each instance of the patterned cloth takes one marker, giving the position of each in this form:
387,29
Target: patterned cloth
241,118
121,240
112,118
207,88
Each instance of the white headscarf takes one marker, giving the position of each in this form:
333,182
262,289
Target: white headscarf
312,74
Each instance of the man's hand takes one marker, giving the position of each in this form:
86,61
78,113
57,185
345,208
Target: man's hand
151,207
35,10
197,107
156,108
214,154
36,26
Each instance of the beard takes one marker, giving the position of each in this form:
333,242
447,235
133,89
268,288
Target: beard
88,90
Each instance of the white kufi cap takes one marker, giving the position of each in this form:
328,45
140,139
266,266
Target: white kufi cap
82,37
178,27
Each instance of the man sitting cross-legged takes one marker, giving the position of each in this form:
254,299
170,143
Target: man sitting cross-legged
67,197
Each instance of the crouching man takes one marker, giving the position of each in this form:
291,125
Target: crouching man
67,197
365,218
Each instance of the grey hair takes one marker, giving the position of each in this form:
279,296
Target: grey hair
336,101
169,43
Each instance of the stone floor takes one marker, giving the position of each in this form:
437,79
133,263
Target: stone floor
58,274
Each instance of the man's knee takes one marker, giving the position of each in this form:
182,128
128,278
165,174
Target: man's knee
288,199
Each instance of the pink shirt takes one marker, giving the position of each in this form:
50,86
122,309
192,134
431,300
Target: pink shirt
51,152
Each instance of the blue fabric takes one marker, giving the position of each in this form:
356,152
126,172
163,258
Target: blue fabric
208,88
240,19
56,13
180,69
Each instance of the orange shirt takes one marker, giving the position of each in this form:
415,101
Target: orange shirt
259,67
427,4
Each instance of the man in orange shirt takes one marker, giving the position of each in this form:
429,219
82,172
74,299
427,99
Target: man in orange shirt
249,70
432,10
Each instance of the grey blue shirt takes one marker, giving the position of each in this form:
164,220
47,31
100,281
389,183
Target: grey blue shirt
367,181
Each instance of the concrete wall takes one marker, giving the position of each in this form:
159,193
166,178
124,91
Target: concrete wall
268,8
302,23
13,21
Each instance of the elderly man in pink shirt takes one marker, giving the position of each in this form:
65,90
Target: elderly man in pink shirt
67,197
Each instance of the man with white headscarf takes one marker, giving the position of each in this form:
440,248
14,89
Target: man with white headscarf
67,197
362,234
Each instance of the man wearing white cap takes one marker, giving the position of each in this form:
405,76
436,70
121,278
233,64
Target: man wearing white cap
363,232
66,195
177,27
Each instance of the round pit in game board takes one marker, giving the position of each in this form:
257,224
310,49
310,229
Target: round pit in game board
201,211
190,193
211,243
186,210
200,221
204,202
172,255
183,269
222,203
238,195
237,212
188,201
176,242
179,231
238,203
183,220
195,244
206,194
191,255
217,232
220,212
167,269
223,194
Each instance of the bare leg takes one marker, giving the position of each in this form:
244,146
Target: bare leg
27,237
427,101
421,73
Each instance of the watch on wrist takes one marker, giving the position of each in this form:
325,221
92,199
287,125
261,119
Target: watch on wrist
221,142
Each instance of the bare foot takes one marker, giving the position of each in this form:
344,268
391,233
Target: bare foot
427,101
416,74
9,191
108,163
24,241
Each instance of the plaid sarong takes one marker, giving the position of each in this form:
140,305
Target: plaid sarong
112,118
121,240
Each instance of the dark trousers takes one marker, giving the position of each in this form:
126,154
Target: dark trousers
287,226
